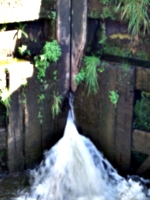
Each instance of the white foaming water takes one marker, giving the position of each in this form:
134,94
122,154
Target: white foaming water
74,169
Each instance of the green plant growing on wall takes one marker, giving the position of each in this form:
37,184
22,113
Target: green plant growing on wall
101,69
88,73
91,78
21,30
40,117
55,75
142,55
142,112
94,14
23,49
135,13
57,101
80,77
52,15
24,85
41,98
102,35
3,27
107,2
5,98
125,67
51,52
107,13
117,50
114,97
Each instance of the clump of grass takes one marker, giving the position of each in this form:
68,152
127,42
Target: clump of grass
91,78
88,73
135,13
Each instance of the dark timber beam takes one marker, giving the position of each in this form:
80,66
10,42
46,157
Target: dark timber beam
78,39
63,36
71,35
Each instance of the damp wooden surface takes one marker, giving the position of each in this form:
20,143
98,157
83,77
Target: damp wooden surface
141,141
142,79
107,111
15,131
63,37
141,144
144,166
78,37
32,127
124,114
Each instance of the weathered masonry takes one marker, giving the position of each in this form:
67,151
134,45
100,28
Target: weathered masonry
78,27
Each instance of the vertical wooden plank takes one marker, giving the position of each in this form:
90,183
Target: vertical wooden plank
78,36
47,127
107,111
32,127
15,134
96,114
63,36
124,116
142,79
141,141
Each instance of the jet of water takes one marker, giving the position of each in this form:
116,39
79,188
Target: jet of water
73,169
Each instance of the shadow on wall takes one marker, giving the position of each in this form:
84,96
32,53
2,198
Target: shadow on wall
30,125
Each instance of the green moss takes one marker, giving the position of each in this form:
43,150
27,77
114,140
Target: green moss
107,13
94,14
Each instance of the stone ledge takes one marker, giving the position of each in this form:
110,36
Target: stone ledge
23,10
19,71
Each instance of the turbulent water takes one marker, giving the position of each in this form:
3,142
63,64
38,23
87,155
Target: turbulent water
75,170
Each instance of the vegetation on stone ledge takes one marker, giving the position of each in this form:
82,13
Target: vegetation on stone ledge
133,12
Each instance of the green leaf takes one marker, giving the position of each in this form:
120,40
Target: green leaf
114,97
